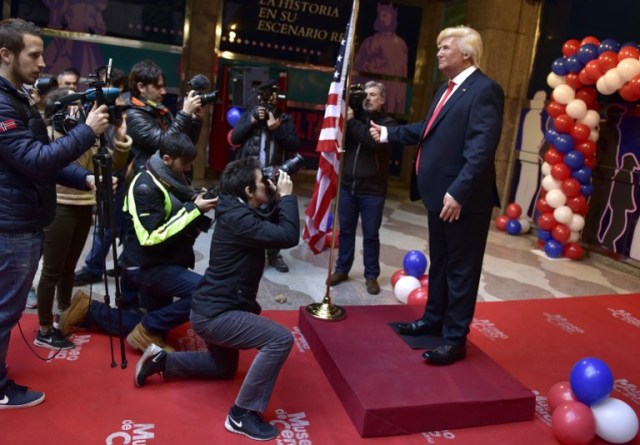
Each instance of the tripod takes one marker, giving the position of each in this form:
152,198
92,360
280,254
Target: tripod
103,169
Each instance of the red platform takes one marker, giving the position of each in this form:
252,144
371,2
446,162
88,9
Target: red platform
387,388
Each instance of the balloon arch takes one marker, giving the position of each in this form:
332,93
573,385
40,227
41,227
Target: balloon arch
588,67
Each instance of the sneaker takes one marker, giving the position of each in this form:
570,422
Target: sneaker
32,299
278,264
75,313
141,339
153,361
372,286
337,278
14,396
252,425
53,339
84,277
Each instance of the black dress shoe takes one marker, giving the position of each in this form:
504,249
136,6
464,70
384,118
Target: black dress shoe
446,354
418,327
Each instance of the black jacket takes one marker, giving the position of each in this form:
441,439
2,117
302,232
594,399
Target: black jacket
30,165
147,125
365,167
237,257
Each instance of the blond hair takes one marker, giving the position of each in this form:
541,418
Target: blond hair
468,40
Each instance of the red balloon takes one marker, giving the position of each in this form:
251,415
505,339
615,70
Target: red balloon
573,423
588,95
580,132
587,148
628,52
585,78
418,296
570,47
561,233
590,39
592,70
607,60
501,222
424,280
577,203
563,123
573,80
513,210
560,393
553,156
573,251
627,93
570,187
543,207
634,85
546,221
397,275
555,109
560,171
590,162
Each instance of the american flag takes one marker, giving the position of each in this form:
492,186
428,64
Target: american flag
329,144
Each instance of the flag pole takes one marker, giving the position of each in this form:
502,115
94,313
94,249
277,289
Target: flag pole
326,310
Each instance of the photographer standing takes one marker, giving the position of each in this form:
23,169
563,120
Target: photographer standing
30,166
363,186
225,311
269,136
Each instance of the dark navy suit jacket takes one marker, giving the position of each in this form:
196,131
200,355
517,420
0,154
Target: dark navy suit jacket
457,155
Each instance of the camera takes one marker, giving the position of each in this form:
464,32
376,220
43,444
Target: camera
45,84
291,166
200,83
211,193
357,95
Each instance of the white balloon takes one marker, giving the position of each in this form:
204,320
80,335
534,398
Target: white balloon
576,223
613,79
404,286
525,225
592,119
603,87
563,214
553,80
616,421
563,94
545,168
594,135
550,183
556,198
628,68
573,237
577,109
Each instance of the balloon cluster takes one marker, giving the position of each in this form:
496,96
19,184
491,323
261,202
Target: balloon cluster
568,164
582,408
511,221
411,284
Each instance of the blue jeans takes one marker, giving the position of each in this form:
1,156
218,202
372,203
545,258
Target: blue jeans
225,335
105,318
369,208
158,286
19,257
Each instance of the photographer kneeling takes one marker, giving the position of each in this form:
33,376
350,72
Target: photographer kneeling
224,309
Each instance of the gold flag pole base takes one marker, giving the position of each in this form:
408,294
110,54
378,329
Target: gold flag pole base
326,311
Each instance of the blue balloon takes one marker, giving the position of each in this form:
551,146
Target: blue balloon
415,263
550,135
634,44
608,45
564,143
574,160
586,190
591,380
553,248
582,175
233,116
573,64
559,66
514,227
330,220
543,235
587,52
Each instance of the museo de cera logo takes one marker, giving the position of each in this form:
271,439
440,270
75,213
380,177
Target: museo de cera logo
131,433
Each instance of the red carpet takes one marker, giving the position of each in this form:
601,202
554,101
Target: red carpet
536,341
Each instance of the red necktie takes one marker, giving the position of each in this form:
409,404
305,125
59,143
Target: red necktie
445,96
